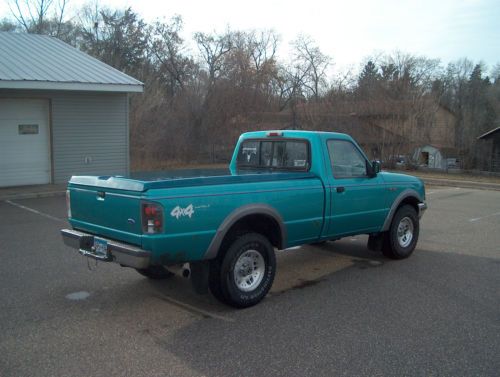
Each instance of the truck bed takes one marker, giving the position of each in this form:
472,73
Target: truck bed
110,206
185,178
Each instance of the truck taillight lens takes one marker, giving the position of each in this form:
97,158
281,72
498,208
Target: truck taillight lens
152,218
68,203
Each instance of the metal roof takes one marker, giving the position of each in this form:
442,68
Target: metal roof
30,61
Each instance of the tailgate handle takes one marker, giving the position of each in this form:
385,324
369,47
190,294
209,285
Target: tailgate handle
101,195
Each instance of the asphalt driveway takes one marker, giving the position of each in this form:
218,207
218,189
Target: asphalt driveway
337,309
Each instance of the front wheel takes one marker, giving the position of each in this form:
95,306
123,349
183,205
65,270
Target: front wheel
401,239
246,272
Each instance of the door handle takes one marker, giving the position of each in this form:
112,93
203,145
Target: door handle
340,189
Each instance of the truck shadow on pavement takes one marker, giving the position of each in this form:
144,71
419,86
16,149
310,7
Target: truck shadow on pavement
300,268
439,307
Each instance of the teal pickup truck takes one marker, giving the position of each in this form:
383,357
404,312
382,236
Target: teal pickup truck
282,189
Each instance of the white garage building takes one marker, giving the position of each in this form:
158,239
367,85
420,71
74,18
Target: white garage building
62,112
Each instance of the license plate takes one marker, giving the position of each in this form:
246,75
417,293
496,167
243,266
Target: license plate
100,246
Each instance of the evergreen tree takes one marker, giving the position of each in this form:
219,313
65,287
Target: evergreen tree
369,80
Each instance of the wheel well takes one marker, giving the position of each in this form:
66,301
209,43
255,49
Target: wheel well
410,200
258,223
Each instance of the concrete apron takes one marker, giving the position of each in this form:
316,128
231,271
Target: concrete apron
28,192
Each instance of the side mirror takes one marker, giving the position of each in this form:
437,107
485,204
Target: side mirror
375,167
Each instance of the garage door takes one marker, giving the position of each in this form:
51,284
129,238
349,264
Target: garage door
24,142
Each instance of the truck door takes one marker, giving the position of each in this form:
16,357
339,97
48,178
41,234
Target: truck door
358,201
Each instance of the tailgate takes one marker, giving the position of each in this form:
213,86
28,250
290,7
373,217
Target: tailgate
107,212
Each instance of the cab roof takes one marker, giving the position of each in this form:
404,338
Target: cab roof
293,134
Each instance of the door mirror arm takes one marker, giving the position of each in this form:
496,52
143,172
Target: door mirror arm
374,168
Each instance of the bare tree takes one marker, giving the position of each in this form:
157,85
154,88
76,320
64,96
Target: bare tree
89,18
263,46
409,76
39,16
167,51
312,64
213,47
344,82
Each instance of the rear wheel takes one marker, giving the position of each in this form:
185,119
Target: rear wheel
155,272
245,274
401,239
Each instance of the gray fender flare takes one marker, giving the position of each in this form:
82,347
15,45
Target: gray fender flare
408,193
238,214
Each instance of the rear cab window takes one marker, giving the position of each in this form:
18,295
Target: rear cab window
282,154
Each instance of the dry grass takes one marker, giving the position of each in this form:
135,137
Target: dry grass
452,176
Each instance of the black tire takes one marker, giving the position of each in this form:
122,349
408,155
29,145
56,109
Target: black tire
215,281
155,272
395,248
222,281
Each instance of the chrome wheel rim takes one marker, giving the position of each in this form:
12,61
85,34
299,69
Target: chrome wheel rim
249,270
405,232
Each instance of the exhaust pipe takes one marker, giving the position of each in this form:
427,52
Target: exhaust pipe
186,270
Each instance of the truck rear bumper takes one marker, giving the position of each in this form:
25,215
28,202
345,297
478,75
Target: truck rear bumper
122,253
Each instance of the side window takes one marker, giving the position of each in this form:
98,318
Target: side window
347,161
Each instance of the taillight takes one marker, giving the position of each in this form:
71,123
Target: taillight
152,218
68,203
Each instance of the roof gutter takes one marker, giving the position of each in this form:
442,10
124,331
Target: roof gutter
72,86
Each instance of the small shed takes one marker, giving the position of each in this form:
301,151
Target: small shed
62,112
433,157
491,139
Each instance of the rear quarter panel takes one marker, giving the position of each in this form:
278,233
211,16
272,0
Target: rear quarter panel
193,215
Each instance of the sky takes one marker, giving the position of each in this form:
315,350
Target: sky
348,31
